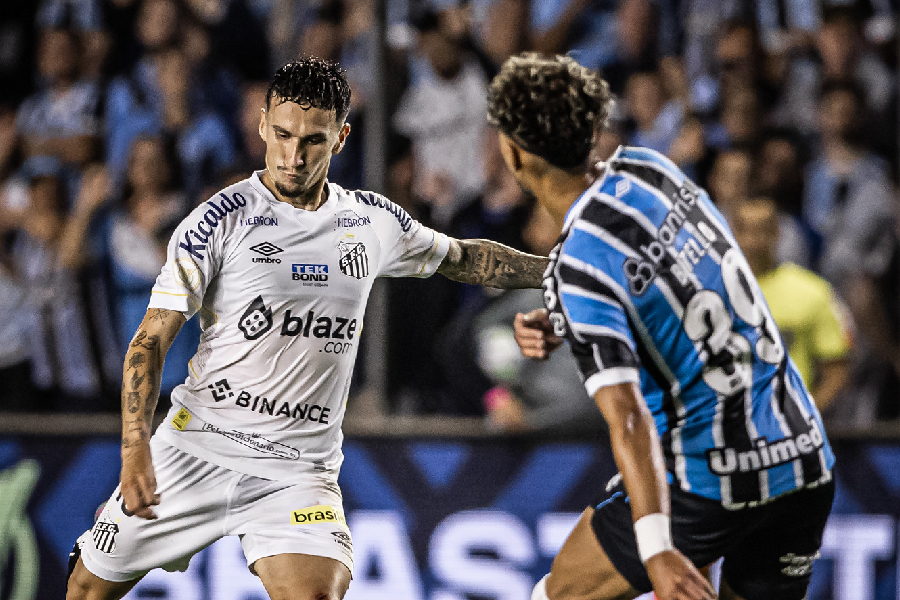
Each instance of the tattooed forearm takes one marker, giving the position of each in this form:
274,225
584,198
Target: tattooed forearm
135,360
144,340
491,264
143,373
137,379
134,438
134,402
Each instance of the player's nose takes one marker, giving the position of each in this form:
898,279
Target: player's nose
296,158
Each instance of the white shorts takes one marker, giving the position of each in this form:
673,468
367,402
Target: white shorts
201,502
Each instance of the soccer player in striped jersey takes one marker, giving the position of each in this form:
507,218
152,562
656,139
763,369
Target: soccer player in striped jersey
720,448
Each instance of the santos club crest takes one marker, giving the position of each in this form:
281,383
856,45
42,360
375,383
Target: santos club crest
353,261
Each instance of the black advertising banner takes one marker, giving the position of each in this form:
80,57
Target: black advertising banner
430,519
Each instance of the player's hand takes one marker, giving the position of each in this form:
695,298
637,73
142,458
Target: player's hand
138,481
534,334
674,577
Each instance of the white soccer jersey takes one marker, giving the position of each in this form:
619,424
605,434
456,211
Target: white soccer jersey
281,294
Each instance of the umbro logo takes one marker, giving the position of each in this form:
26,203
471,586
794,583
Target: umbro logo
267,249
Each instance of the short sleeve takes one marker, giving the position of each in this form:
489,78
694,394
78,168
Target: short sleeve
193,259
597,329
829,334
411,249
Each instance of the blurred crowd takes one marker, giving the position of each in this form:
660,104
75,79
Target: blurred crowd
119,116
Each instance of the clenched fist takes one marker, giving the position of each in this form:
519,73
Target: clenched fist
534,334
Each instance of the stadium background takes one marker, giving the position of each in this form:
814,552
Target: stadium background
464,467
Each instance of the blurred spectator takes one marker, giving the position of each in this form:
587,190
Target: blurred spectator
729,179
849,205
16,391
637,27
739,58
740,120
848,193
120,17
87,19
82,15
237,35
63,118
702,24
779,170
657,119
785,26
18,40
159,98
840,54
137,236
617,37
688,150
803,304
60,324
443,113
215,86
500,27
730,186
581,26
9,146
323,36
253,148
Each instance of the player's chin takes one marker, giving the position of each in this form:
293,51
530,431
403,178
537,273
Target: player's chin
291,189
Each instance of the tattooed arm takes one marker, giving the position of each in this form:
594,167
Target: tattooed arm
488,263
140,392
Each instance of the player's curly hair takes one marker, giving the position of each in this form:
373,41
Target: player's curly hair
550,106
312,82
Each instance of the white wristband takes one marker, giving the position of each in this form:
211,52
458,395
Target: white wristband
653,535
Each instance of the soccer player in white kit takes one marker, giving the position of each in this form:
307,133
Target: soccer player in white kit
278,269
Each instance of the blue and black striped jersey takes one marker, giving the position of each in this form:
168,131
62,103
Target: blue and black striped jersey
648,285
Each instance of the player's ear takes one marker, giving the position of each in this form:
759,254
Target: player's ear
262,123
518,161
512,155
342,138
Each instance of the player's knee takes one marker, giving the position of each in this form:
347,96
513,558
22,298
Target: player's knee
561,587
79,589
83,585
312,593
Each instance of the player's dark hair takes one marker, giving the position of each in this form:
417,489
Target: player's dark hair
550,106
312,82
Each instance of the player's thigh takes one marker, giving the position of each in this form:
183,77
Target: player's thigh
583,571
303,577
122,546
84,585
774,561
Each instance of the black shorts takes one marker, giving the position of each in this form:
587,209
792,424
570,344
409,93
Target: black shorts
768,549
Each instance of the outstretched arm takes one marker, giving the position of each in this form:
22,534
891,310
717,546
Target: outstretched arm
636,448
140,392
483,262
